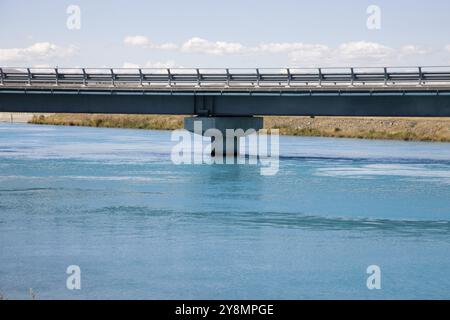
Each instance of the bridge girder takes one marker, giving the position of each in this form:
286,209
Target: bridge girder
413,104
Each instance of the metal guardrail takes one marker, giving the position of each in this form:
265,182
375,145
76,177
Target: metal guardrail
260,77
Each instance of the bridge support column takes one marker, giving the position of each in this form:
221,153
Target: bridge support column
225,132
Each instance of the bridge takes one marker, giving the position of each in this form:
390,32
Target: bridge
228,98
421,91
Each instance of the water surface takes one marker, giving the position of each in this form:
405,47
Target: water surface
112,202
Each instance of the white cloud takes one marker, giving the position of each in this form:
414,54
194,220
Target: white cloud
289,47
136,40
150,64
199,45
36,52
166,46
363,49
357,53
447,48
130,65
42,66
309,55
408,50
143,41
298,53
361,53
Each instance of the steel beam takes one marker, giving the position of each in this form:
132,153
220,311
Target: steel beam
376,104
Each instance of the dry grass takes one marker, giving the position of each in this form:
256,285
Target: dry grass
417,129
153,122
409,129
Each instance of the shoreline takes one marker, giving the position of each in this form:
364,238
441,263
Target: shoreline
383,128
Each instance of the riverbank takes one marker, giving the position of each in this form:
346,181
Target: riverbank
18,117
408,129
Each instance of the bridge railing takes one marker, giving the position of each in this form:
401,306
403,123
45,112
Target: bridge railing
176,77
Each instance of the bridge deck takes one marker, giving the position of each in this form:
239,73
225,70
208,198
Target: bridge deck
235,90
421,91
242,79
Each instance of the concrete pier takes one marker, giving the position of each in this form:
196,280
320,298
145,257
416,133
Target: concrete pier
225,132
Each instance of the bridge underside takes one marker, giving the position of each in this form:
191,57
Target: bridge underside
291,104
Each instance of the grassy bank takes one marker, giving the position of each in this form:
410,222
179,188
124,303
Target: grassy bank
410,129
153,122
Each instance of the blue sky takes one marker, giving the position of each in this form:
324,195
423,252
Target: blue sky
234,33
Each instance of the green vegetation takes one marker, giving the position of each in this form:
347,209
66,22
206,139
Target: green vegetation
408,129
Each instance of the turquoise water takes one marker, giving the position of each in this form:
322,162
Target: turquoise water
111,201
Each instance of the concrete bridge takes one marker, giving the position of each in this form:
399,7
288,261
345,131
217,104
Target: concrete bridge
227,98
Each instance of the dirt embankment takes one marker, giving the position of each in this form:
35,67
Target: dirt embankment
417,129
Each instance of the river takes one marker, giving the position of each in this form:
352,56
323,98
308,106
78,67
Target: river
111,202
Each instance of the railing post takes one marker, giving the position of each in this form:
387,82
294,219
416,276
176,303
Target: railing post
258,77
289,77
56,76
113,83
228,77
169,81
353,76
420,76
141,77
198,77
1,76
386,76
84,77
29,76
320,77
